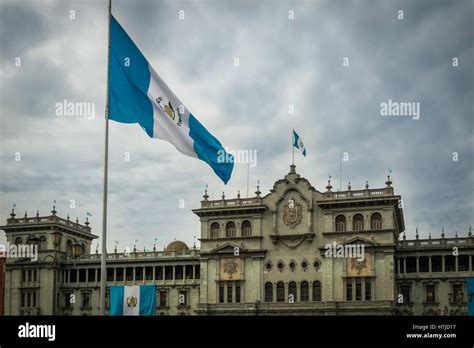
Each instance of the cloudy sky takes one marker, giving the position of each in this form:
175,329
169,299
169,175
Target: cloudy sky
282,62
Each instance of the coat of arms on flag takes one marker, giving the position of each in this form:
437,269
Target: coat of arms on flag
298,143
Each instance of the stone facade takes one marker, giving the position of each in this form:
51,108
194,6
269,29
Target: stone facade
2,281
264,255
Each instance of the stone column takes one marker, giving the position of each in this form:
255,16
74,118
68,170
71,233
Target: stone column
442,264
429,264
417,264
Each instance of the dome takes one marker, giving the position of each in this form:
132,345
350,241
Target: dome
177,245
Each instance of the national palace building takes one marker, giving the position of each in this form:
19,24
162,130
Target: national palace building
263,255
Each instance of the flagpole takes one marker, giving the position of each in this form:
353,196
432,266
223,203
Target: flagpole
340,171
103,267
293,148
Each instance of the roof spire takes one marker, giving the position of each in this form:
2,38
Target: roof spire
205,196
470,231
442,232
54,210
388,182
349,186
417,235
366,184
13,213
292,169
329,187
258,189
238,194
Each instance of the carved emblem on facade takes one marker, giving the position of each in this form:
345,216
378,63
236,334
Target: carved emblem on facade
358,265
230,267
292,213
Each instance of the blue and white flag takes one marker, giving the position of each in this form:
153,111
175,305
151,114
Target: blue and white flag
133,300
137,94
298,143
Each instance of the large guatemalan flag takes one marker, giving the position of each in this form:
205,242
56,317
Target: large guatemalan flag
298,143
137,94
133,300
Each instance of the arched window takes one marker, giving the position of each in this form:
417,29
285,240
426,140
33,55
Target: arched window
340,223
292,293
69,247
280,292
316,291
304,292
246,229
230,229
358,222
376,221
215,228
43,244
18,241
268,292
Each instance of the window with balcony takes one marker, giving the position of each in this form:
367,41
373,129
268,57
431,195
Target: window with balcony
268,292
340,223
246,229
230,229
316,291
280,292
215,228
358,222
376,221
304,291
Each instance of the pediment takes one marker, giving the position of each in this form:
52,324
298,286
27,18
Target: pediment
360,240
227,248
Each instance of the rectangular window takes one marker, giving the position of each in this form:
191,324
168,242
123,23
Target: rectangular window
110,274
348,289
183,298
158,273
33,300
138,273
229,292
129,274
86,300
405,292
458,295
73,275
23,276
82,276
368,290
430,294
221,292
237,292
67,300
163,299
119,275
358,289
34,275
30,275
23,300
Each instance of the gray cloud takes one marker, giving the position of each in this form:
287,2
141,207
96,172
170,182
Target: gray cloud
282,62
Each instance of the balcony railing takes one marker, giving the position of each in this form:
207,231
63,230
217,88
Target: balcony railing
44,220
237,202
430,243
